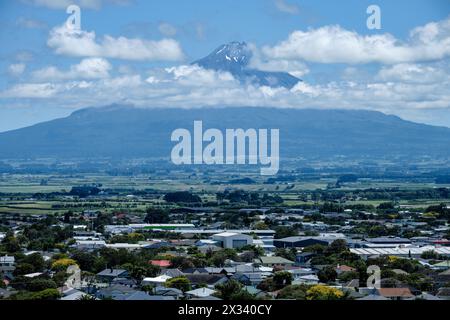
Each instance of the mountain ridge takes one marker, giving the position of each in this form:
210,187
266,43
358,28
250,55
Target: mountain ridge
118,131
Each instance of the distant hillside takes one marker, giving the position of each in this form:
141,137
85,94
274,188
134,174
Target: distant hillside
127,132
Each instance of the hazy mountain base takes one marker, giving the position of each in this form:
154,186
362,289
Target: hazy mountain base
127,132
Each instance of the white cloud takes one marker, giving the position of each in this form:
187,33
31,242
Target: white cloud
90,68
16,69
285,7
195,76
83,44
294,67
30,90
412,73
192,87
333,44
167,29
397,88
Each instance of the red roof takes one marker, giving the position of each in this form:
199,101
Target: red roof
396,292
345,268
161,263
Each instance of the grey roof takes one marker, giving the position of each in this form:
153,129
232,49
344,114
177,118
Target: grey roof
388,240
115,290
163,291
209,279
111,273
252,276
195,271
172,273
329,239
275,260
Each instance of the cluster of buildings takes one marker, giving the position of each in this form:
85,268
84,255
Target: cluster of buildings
118,284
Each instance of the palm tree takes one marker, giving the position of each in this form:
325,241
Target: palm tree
86,297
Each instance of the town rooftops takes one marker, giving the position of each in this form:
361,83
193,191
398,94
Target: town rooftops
395,292
128,246
7,259
344,268
161,226
215,231
159,279
112,273
389,240
226,234
275,260
161,263
91,242
201,292
416,251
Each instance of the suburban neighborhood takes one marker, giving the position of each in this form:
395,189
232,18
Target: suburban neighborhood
188,254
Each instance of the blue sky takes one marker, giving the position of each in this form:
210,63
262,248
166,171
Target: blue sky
141,51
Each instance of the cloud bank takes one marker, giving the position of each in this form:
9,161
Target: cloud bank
79,43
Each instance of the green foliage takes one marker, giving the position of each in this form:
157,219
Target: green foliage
155,215
181,283
182,197
229,289
41,284
295,292
63,264
47,294
430,254
218,258
284,232
321,292
327,274
282,279
289,254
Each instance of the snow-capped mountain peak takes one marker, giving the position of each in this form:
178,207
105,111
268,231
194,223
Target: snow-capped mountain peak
235,57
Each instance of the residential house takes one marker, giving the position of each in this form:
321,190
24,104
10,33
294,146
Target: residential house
161,263
156,281
172,273
443,294
89,244
114,291
168,292
274,262
109,275
7,264
200,293
231,240
210,280
343,268
395,293
248,278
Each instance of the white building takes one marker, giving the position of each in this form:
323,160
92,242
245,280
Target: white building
89,244
231,240
126,246
160,280
402,252
7,264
